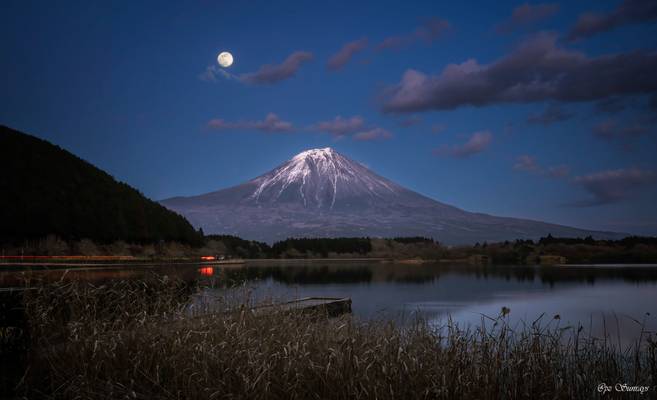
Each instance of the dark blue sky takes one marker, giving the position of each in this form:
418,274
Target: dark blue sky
539,110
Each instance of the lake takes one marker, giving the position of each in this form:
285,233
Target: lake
620,300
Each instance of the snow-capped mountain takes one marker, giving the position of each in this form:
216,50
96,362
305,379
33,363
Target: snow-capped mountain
323,179
321,193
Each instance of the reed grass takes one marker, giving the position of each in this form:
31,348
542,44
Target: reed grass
138,340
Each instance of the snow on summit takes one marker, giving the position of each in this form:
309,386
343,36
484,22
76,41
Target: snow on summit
321,193
320,177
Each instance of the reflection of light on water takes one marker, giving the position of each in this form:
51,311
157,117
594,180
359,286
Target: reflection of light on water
607,304
609,299
614,312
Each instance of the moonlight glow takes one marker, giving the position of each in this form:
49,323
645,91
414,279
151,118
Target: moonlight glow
225,59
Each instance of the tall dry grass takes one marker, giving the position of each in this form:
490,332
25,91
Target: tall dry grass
137,340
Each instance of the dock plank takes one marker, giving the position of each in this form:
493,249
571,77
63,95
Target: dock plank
332,306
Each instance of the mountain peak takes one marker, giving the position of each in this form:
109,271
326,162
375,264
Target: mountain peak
321,193
316,153
319,178
325,161
325,150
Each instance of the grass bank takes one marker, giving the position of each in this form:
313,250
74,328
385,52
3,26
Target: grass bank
136,339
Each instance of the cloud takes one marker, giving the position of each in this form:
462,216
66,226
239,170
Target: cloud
509,128
529,164
410,121
271,124
611,105
212,72
209,75
605,129
628,12
372,134
432,29
429,31
610,130
271,73
342,57
526,163
437,128
612,186
478,142
552,114
538,70
558,171
354,127
341,126
527,14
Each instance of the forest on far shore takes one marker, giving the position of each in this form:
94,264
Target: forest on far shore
633,249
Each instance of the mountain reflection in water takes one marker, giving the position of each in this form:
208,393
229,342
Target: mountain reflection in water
602,299
617,301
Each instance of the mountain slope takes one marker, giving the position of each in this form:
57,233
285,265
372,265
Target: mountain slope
320,193
47,190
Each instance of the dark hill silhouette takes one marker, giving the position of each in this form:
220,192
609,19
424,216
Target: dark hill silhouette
47,190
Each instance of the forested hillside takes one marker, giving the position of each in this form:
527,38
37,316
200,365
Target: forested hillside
46,190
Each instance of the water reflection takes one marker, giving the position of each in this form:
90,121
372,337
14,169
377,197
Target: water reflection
345,273
602,299
618,302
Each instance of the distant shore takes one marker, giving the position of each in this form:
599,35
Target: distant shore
74,263
411,251
62,263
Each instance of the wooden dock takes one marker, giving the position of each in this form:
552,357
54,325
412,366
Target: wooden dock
11,306
331,306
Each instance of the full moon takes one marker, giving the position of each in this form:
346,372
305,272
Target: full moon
225,59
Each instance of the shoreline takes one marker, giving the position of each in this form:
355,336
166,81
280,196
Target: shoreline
64,264
157,263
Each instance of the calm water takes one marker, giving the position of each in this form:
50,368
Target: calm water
611,298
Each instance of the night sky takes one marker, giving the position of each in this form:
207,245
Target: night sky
538,110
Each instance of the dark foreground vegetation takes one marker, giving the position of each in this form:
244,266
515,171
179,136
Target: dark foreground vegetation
136,339
48,191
